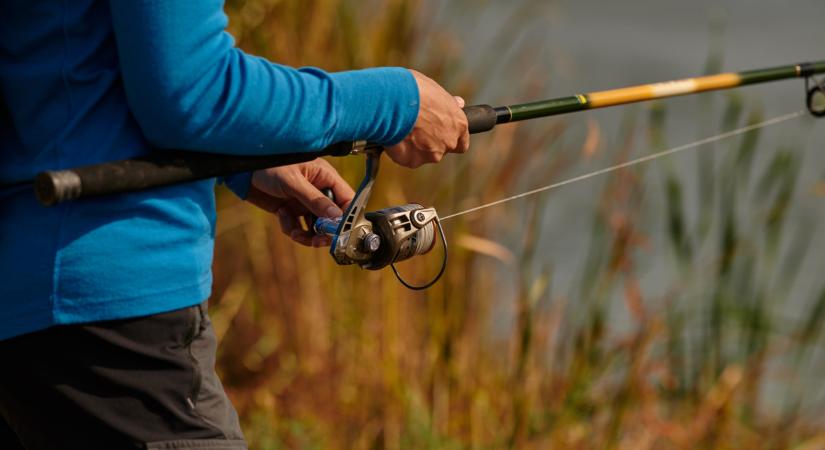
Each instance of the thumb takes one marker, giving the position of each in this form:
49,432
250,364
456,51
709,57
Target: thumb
314,200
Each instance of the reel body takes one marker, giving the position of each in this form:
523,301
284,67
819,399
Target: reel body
406,231
395,234
377,239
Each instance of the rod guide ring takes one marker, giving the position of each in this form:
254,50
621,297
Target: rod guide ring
815,99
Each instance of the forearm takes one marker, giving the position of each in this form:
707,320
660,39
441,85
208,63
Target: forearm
190,88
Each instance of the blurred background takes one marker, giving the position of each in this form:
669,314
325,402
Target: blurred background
676,304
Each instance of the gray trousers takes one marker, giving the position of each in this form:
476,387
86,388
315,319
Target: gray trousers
147,382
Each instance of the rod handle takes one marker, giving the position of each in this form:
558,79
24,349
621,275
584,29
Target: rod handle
481,118
159,169
174,166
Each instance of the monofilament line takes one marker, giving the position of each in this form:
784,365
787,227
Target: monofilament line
634,162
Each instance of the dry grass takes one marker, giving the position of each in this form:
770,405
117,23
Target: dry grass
320,356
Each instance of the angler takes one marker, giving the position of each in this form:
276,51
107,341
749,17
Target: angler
104,334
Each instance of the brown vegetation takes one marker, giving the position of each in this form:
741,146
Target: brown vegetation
320,356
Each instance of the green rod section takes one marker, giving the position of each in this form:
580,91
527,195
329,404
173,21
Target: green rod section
623,96
177,167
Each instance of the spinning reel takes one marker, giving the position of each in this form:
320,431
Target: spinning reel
378,239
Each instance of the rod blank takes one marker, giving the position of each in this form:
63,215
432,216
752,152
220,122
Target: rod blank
171,167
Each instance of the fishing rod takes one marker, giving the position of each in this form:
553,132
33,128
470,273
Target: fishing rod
378,239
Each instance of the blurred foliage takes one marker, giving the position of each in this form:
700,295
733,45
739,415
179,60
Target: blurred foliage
320,356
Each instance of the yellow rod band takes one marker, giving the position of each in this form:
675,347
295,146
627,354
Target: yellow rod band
644,92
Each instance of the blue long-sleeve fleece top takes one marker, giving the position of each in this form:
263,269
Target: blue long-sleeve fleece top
88,81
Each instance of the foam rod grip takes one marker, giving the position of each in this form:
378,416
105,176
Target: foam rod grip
481,118
156,170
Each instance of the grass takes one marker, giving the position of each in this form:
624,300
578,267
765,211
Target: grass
497,355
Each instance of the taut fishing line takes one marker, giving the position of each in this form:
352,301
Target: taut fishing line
633,162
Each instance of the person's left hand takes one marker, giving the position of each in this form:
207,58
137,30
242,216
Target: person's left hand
292,192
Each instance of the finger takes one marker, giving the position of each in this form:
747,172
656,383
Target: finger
463,142
310,197
340,188
460,101
321,241
308,236
343,194
302,237
290,226
287,221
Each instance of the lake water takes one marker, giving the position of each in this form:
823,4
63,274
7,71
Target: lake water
583,46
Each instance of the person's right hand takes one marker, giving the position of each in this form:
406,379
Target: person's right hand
441,127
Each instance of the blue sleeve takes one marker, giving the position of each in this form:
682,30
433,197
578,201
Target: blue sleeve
238,183
190,88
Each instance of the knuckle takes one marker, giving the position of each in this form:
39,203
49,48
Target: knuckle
451,143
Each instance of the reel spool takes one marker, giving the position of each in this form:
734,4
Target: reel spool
403,238
378,239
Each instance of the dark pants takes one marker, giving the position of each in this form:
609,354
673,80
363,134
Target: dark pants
148,382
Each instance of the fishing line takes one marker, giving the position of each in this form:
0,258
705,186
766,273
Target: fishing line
643,159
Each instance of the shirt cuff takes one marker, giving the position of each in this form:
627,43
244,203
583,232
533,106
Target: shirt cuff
238,183
379,105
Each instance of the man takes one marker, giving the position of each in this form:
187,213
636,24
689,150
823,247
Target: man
104,337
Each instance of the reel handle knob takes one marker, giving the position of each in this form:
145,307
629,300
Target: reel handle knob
328,193
371,243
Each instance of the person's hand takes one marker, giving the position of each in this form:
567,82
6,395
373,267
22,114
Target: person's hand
441,127
292,192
